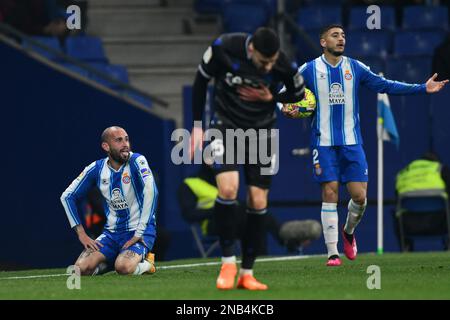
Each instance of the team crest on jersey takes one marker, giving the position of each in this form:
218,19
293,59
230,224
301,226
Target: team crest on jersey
336,95
117,200
348,75
126,178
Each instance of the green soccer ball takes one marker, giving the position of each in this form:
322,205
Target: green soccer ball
305,107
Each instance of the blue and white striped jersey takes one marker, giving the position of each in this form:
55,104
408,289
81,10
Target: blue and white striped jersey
336,120
130,194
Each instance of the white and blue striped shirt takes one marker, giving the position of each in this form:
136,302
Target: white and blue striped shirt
130,194
336,120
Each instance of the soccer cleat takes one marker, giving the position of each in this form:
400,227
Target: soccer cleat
151,259
248,282
228,272
350,249
334,261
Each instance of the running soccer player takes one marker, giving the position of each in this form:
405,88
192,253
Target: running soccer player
130,195
338,156
248,70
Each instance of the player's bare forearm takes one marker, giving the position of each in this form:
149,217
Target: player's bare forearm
85,240
132,241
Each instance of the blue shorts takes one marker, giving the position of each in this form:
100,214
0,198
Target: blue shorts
340,163
113,242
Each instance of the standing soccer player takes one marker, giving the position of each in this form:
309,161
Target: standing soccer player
248,70
338,156
130,196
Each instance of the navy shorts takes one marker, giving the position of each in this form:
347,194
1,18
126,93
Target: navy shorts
339,163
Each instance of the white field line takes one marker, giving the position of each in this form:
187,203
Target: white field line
203,264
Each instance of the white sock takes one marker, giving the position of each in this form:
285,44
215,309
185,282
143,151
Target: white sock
355,213
231,259
142,267
329,217
243,271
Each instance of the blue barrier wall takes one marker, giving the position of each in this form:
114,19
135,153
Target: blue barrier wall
52,125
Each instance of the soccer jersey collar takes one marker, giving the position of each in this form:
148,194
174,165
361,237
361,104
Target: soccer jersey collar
325,61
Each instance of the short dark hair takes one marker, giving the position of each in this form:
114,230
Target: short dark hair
266,41
328,27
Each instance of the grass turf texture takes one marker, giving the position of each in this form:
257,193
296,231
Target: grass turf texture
403,276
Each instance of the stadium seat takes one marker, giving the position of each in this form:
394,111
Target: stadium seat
322,2
51,42
317,17
86,48
118,72
236,17
412,212
368,44
74,68
416,43
307,49
425,17
208,6
376,65
358,18
205,244
412,70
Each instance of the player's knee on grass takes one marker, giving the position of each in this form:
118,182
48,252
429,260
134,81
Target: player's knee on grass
126,262
86,267
125,267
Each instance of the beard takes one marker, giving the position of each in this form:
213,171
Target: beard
117,156
335,53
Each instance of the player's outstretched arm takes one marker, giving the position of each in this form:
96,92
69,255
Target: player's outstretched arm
435,86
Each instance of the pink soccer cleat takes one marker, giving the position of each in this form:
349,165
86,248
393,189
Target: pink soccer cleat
334,262
350,249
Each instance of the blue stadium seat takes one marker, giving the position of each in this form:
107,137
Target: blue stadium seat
412,70
86,48
236,17
358,18
118,72
323,2
368,44
417,43
51,42
305,51
76,69
318,17
376,65
208,6
425,17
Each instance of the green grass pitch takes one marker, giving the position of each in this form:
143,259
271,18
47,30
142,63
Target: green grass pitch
403,276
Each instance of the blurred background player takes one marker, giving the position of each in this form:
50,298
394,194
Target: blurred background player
248,71
338,156
130,196
197,195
